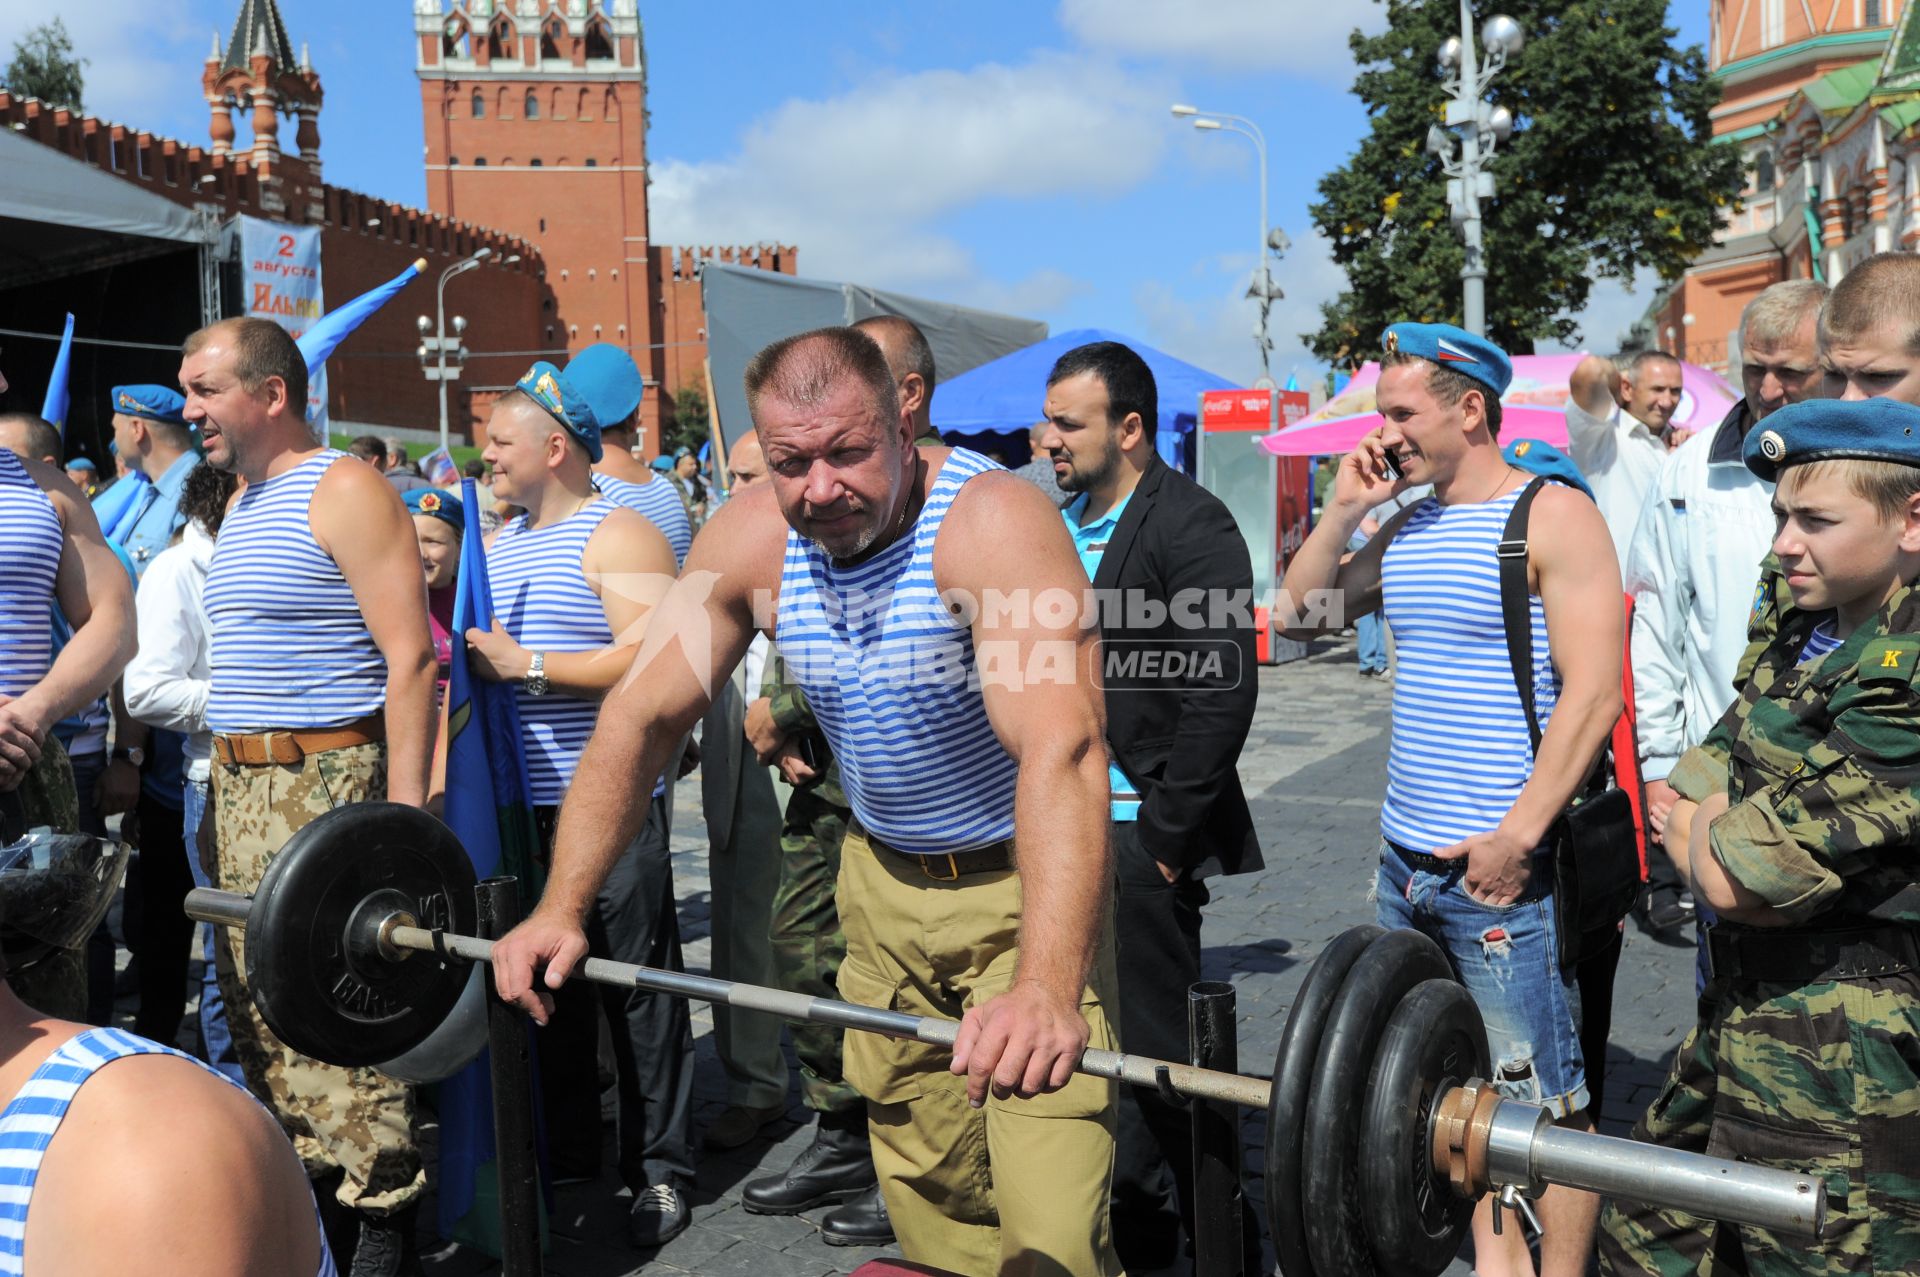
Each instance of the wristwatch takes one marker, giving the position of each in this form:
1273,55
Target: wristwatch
536,682
133,754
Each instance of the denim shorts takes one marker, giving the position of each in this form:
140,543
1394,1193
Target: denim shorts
1507,957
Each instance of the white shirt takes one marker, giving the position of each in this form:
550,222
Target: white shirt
168,678
1621,459
1692,570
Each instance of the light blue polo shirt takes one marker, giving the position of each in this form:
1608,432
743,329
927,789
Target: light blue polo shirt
157,513
1091,543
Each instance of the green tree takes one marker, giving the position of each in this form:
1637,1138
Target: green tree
44,67
684,424
1611,168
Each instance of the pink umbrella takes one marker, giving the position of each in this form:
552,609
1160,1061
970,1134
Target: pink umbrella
1533,407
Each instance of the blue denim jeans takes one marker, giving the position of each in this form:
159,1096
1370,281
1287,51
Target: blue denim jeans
214,1038
1507,957
1371,631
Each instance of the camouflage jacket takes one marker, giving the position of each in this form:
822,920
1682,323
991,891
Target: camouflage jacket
792,715
1772,603
1821,767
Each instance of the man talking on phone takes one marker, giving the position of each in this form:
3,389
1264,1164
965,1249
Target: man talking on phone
1468,804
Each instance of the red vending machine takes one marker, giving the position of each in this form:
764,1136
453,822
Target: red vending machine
1270,497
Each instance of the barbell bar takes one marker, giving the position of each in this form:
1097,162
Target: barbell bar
355,953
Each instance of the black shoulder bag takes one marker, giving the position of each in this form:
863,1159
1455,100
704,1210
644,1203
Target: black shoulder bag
1596,854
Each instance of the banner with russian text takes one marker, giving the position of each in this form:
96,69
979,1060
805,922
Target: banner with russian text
280,280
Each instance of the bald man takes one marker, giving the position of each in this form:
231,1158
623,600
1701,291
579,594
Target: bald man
910,360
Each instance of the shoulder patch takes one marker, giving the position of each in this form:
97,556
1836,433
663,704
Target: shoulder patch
1889,660
1762,603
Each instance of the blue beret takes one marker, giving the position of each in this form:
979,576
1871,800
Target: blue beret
443,506
155,403
1454,348
607,378
550,388
80,463
1544,459
1829,429
663,464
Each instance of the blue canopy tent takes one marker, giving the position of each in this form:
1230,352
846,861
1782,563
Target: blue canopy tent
1004,397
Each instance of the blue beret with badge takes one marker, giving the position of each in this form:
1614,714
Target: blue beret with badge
1541,458
1831,430
436,504
607,378
550,388
153,403
1455,348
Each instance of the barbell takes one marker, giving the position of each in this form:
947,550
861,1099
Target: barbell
1381,1132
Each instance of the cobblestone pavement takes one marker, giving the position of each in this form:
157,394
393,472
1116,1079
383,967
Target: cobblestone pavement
1313,769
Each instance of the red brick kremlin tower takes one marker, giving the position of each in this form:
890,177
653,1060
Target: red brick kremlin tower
536,119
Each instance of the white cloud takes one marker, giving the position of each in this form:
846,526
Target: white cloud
1275,36
1216,330
1613,307
143,59
860,180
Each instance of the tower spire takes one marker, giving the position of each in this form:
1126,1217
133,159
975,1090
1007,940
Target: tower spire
259,29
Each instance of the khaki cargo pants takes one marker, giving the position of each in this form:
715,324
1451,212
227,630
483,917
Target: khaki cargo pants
1017,1188
355,1120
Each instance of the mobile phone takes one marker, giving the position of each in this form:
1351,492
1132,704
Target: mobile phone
814,751
1393,464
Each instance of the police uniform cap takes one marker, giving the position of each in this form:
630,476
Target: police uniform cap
1834,429
151,402
1454,348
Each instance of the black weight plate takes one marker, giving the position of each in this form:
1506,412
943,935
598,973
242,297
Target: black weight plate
340,1001
1435,1040
1330,1197
1293,1069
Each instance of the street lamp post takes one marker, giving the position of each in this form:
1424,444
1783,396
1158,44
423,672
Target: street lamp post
1262,289
1482,127
442,356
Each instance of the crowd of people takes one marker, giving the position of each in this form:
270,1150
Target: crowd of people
926,790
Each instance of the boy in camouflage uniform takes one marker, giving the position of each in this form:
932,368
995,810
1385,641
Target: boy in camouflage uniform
1799,824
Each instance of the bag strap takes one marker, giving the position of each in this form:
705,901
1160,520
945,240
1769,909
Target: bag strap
1515,609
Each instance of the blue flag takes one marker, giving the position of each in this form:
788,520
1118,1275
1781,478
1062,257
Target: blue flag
488,806
54,407
332,328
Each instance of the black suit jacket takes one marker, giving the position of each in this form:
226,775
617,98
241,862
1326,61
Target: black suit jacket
1180,696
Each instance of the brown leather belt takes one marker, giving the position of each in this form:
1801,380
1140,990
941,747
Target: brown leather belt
269,749
950,866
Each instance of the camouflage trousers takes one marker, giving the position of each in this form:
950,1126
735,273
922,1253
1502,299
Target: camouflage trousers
808,945
1822,1079
57,984
354,1120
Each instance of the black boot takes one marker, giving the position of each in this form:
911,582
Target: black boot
836,1167
861,1222
386,1246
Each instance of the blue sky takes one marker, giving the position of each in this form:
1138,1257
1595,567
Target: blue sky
1011,155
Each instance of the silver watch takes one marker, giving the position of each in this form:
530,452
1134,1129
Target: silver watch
536,680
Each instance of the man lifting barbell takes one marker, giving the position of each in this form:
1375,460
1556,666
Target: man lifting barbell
1381,1131
861,539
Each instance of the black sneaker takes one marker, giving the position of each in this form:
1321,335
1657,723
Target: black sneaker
659,1215
386,1247
1661,915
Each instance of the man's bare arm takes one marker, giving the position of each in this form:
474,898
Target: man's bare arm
1325,588
1046,707
629,565
361,521
697,635
94,592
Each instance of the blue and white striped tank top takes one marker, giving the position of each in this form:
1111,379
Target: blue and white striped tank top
889,674
541,597
29,1123
658,503
1460,750
290,648
30,542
